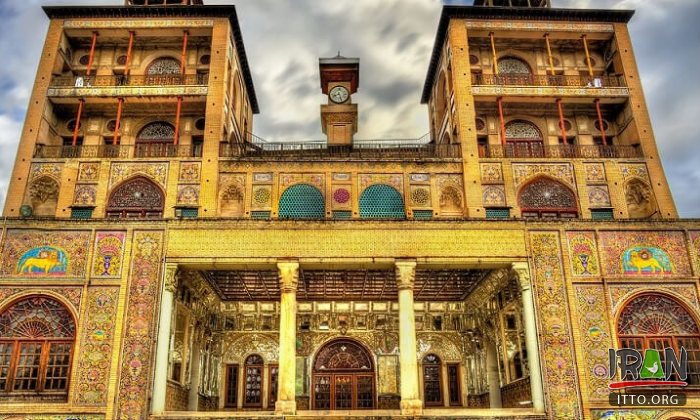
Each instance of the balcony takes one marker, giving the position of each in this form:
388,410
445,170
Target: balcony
529,150
146,150
132,85
548,85
360,149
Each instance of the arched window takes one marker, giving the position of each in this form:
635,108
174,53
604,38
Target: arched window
254,375
547,198
163,66
155,140
164,71
514,71
654,321
512,65
302,201
381,201
523,139
137,197
432,380
37,335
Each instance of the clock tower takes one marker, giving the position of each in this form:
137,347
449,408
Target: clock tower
340,78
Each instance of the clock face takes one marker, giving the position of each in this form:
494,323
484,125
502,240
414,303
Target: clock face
339,94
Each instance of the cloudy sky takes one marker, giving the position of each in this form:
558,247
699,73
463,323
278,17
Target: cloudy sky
393,38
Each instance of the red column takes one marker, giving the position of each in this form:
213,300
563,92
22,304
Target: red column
562,122
600,121
81,103
117,126
183,59
128,53
176,138
91,57
502,122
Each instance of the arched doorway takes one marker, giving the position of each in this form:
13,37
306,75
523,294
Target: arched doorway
343,377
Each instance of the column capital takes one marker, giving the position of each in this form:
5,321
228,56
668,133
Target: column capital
171,277
288,276
405,274
522,271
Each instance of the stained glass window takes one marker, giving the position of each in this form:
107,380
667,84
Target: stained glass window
137,197
36,345
657,315
545,196
342,355
654,321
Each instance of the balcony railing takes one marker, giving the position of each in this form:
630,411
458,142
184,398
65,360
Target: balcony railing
146,150
547,80
561,151
377,149
129,81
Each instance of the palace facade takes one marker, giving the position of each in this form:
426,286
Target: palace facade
160,261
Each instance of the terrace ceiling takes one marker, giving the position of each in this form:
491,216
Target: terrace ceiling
365,284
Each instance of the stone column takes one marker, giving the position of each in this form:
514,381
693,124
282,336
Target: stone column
522,270
160,374
193,397
492,376
411,404
286,392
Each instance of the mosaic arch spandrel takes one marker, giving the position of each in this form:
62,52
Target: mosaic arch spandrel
139,327
556,343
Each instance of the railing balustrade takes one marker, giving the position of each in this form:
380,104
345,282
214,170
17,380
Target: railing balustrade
560,151
143,150
316,150
129,81
479,79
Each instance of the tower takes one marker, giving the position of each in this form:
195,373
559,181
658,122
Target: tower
340,78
